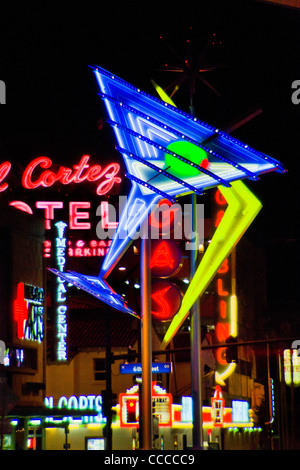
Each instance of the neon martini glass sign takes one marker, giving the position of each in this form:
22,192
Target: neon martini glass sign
167,153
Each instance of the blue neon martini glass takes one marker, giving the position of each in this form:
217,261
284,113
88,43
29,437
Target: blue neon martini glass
168,153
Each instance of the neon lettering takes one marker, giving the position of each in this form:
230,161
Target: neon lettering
221,356
61,310
105,213
219,218
162,256
33,177
165,310
223,309
222,331
4,170
220,289
220,199
223,327
49,207
75,215
224,268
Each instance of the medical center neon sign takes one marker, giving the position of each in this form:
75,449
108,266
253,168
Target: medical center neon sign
61,291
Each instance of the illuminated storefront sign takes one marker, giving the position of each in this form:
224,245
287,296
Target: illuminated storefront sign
217,407
39,174
161,405
291,365
217,415
28,312
82,402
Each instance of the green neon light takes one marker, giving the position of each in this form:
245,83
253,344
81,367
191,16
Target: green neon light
242,208
187,150
35,422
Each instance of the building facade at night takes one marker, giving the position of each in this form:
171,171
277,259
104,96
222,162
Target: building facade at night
72,334
51,396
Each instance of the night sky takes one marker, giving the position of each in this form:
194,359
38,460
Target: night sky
52,107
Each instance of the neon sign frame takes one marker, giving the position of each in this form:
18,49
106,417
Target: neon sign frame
61,291
33,177
144,127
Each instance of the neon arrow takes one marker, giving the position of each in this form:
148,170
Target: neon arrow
242,208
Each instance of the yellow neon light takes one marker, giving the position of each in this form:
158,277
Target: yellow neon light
241,210
233,315
163,95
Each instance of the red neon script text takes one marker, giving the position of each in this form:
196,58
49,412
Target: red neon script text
4,170
34,178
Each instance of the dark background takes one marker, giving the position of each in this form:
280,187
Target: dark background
52,107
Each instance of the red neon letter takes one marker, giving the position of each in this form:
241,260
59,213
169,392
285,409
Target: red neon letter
105,224
162,302
49,207
221,356
162,256
27,182
220,198
220,288
219,217
77,177
4,170
224,267
223,308
222,331
111,179
75,215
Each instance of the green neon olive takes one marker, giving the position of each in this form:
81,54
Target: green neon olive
189,151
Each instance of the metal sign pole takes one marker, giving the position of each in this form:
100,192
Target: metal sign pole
195,339
146,341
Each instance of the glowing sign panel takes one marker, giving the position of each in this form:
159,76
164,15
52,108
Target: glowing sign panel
61,292
28,311
82,402
240,411
217,407
291,364
39,174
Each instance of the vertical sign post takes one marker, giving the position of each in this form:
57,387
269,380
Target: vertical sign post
146,341
195,339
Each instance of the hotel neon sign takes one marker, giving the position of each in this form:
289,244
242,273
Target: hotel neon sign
39,174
